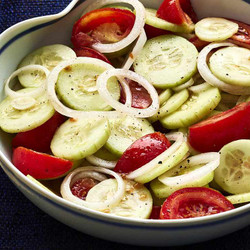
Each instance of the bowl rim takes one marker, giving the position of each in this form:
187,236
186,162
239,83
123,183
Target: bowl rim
84,211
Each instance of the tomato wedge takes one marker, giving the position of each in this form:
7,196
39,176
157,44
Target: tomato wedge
212,134
141,152
155,214
194,202
39,165
199,44
88,52
82,186
140,97
177,11
39,138
152,32
242,37
107,25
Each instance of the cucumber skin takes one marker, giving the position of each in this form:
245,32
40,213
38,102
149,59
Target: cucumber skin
163,191
169,163
185,118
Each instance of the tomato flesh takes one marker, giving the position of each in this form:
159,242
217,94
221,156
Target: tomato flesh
199,44
177,11
39,165
140,97
141,152
212,134
88,52
107,25
82,186
194,202
39,139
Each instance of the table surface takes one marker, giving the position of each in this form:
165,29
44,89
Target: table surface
23,225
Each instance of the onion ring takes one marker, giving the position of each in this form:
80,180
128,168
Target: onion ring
100,162
185,85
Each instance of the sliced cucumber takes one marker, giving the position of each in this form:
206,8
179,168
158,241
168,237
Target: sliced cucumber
38,183
231,65
104,154
213,29
165,95
76,139
76,86
239,198
193,110
14,120
171,105
167,61
47,56
161,190
164,166
233,173
153,20
136,203
125,131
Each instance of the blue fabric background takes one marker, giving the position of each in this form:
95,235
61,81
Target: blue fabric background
24,226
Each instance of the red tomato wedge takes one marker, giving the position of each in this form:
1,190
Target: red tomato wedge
39,165
199,44
155,214
140,97
88,52
39,139
107,25
177,11
212,134
141,152
82,186
242,37
194,202
152,32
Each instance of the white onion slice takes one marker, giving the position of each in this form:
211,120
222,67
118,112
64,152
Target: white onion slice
68,181
200,88
185,85
207,75
102,81
36,92
134,33
178,137
211,161
66,111
88,174
142,39
100,162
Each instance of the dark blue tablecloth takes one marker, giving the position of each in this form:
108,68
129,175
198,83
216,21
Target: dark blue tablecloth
24,226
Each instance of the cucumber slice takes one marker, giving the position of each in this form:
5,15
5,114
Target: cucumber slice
170,105
161,190
193,110
47,56
38,183
231,65
136,203
15,120
233,173
164,166
167,61
164,96
153,20
76,139
125,131
213,29
76,87
239,198
104,154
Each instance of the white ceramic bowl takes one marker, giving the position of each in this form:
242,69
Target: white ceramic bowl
22,38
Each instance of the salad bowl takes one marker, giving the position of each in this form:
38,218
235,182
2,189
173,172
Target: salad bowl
22,38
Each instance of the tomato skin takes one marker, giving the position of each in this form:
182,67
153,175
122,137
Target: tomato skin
155,214
82,186
141,152
39,165
199,44
88,52
105,25
152,32
140,97
194,202
39,139
212,134
177,11
242,37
